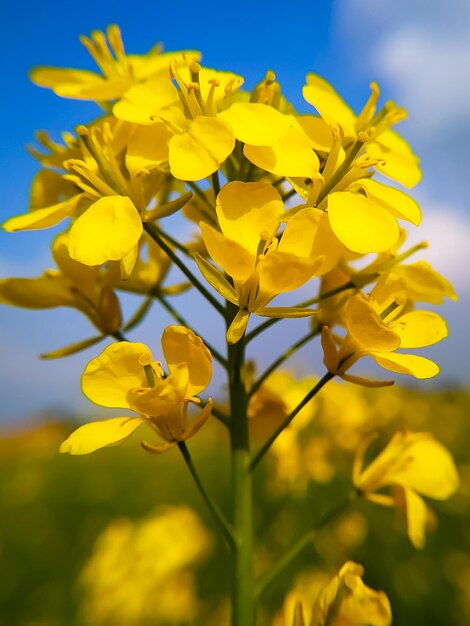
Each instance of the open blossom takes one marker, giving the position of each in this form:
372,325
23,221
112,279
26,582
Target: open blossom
377,327
344,601
118,71
413,465
261,265
120,377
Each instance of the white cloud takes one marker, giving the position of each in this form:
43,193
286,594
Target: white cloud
448,233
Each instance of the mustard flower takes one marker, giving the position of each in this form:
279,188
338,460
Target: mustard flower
390,153
413,465
261,265
110,198
377,327
126,376
118,71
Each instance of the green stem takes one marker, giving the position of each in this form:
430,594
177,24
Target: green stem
119,336
313,392
153,231
280,360
305,541
215,183
243,600
323,296
216,513
180,319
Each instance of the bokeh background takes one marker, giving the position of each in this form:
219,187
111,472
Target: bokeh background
53,509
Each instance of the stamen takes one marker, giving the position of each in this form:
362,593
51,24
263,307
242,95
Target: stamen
337,135
368,111
210,106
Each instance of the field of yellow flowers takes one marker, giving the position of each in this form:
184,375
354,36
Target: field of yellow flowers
122,538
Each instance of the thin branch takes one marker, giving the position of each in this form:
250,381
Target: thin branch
307,539
323,296
153,231
280,360
216,513
313,392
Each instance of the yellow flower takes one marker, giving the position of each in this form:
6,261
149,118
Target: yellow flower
118,70
413,464
72,284
125,376
110,198
261,265
138,568
389,153
201,119
346,601
377,327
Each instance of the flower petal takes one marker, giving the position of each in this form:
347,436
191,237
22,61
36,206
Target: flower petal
417,366
107,231
400,204
292,155
333,109
366,327
396,159
91,437
182,345
429,468
43,218
418,329
245,210
108,378
256,124
201,148
362,225
416,518
234,259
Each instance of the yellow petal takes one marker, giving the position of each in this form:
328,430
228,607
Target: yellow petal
142,103
256,124
164,400
362,225
46,291
366,327
428,468
282,271
399,162
400,204
96,435
418,329
100,90
292,155
181,345
234,259
199,151
424,284
411,364
108,379
285,311
43,218
52,76
107,231
320,94
246,210
317,130
147,148
416,517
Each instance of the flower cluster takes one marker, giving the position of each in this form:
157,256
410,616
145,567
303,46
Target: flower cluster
281,200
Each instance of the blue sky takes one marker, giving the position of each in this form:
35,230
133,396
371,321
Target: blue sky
418,52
